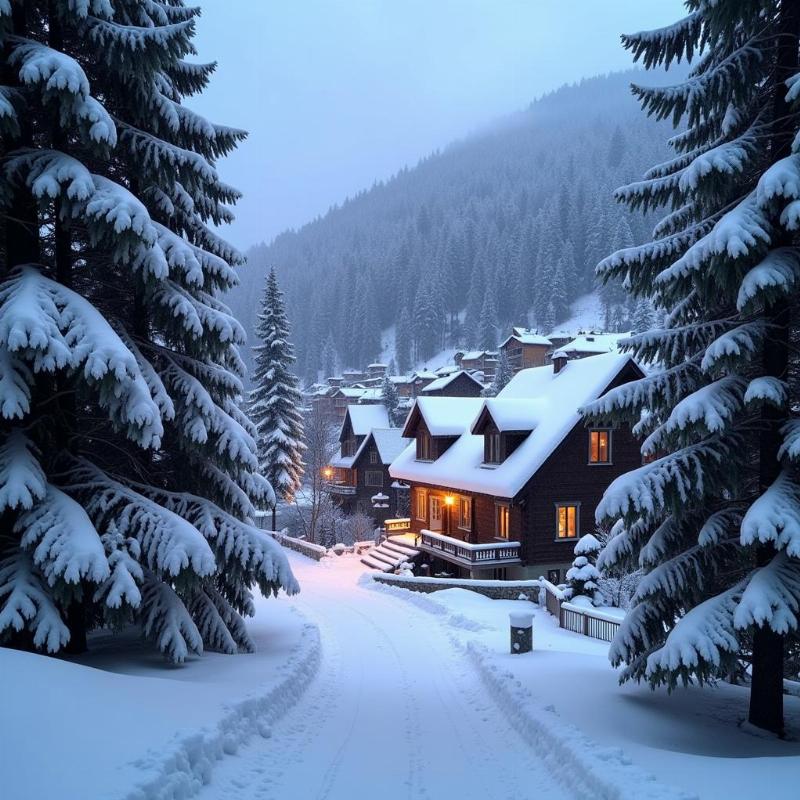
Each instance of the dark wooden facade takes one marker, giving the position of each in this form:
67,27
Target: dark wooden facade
461,385
523,355
565,478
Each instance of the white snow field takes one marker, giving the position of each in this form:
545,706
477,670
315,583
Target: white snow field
137,726
388,692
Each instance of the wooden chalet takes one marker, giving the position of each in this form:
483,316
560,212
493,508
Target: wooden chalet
484,361
456,384
358,478
503,487
525,348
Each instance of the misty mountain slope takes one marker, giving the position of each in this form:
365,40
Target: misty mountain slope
505,225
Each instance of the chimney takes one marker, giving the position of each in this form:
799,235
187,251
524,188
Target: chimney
559,362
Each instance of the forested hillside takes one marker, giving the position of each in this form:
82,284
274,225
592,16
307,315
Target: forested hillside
504,227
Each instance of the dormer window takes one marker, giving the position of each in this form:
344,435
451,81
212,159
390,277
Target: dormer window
424,449
492,448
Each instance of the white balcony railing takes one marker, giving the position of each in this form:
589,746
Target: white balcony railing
461,552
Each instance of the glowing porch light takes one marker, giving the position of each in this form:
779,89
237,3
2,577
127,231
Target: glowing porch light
449,500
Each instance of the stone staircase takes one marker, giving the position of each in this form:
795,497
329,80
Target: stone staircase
390,554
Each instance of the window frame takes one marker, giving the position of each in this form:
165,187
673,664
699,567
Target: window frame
424,443
373,457
373,472
567,504
609,456
502,510
462,500
421,496
493,441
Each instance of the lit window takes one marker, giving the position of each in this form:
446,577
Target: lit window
502,521
465,513
373,477
422,505
566,521
599,447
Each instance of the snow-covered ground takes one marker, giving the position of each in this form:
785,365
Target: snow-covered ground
360,688
137,727
586,314
566,694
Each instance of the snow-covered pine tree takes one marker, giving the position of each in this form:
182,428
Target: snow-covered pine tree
275,401
402,344
128,476
643,316
391,401
583,577
502,375
487,324
714,520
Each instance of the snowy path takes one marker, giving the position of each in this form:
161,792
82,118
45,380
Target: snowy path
394,710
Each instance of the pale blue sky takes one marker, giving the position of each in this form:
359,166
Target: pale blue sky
339,93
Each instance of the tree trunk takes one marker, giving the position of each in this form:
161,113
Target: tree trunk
273,515
766,691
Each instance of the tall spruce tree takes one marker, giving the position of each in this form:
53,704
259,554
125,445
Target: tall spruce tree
714,520
275,401
391,400
128,475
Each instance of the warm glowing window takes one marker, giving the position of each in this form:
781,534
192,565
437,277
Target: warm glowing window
599,447
465,513
566,521
502,521
422,505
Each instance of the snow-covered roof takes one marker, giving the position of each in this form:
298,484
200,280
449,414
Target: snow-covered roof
555,398
527,336
448,369
443,383
592,343
426,375
447,416
512,414
364,418
473,355
390,443
400,378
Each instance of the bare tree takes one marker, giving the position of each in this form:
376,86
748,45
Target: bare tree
314,503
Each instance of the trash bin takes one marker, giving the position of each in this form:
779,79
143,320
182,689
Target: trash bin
521,632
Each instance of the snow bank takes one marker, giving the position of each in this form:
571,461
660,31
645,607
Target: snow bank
126,724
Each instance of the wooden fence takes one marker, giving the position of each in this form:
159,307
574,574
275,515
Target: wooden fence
577,619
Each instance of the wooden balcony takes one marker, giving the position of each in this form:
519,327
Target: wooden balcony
397,525
342,489
495,554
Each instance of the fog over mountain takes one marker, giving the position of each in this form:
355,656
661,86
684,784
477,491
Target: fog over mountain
503,227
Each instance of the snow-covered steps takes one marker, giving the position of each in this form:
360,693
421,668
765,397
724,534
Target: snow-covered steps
389,554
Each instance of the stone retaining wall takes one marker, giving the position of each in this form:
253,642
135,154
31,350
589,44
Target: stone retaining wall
496,590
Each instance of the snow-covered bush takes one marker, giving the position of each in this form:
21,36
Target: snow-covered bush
617,584
583,577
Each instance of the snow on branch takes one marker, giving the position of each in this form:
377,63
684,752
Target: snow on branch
775,516
167,621
700,642
22,480
776,275
25,603
125,573
772,597
672,478
219,624
737,234
64,542
170,543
